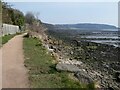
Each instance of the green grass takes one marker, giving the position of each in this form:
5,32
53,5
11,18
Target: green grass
5,39
41,66
42,72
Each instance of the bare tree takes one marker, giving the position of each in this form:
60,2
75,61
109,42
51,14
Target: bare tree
29,17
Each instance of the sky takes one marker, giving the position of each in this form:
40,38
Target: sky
72,12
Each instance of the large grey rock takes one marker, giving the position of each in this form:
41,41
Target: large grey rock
67,67
83,77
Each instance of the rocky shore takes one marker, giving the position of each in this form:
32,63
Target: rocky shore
102,76
72,59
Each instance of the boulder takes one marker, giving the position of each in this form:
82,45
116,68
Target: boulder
117,76
83,77
67,67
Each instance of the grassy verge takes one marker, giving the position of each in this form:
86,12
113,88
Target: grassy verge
5,39
42,72
41,66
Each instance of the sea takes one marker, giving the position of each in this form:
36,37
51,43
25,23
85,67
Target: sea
109,37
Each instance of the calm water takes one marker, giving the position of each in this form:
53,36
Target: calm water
109,42
112,37
105,35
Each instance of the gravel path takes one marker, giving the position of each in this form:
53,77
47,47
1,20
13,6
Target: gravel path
14,74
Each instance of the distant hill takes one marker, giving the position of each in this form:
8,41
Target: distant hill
49,26
85,26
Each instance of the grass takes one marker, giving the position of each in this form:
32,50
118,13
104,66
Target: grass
42,72
6,38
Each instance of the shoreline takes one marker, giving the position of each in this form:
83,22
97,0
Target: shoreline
103,80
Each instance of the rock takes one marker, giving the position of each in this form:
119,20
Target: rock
51,47
59,49
83,77
117,76
71,52
67,67
70,58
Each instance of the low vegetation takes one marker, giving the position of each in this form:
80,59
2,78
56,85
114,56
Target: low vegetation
11,15
6,38
41,65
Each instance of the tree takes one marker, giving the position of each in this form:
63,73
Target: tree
29,18
6,5
18,18
12,16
